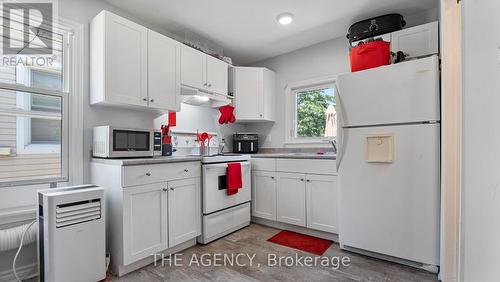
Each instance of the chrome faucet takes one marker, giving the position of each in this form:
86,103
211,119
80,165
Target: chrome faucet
333,142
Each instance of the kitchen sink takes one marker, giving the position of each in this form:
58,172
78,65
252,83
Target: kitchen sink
313,154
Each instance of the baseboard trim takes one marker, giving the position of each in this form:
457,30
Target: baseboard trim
24,272
121,270
298,229
426,267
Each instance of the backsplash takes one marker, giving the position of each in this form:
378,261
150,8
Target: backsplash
204,119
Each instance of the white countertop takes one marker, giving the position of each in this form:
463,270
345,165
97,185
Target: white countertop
193,158
154,160
327,156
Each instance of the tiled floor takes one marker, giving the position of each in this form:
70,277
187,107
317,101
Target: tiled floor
253,240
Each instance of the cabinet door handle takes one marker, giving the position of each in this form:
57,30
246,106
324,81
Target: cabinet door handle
308,180
272,177
186,170
302,179
148,173
152,100
165,189
205,84
209,85
172,188
145,99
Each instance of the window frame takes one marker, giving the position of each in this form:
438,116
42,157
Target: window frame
23,132
72,110
291,91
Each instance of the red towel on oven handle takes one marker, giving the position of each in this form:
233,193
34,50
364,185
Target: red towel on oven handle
234,181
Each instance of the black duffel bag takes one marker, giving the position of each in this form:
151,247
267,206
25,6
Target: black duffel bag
375,26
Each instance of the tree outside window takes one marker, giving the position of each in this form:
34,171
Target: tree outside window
315,113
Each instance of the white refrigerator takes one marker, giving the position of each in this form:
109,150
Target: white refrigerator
389,161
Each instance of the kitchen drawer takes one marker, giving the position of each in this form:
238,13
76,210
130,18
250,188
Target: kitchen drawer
312,166
216,224
263,164
145,174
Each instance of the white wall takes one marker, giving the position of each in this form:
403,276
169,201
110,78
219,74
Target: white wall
481,142
82,11
326,58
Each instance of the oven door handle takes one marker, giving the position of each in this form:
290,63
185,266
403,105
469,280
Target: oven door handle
209,166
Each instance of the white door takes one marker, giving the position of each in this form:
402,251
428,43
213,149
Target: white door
322,202
398,93
215,196
144,221
248,93
216,75
264,194
392,208
126,61
184,212
163,72
193,67
417,41
291,198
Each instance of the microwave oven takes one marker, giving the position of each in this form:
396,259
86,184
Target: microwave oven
119,142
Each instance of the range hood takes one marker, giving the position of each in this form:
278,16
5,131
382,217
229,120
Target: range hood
195,97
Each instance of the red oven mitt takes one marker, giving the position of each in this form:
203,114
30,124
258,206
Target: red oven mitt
226,114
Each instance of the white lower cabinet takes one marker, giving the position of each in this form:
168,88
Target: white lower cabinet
144,221
291,198
184,210
321,195
150,209
264,194
289,193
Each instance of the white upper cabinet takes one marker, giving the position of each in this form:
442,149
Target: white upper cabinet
203,72
193,68
254,92
163,71
216,75
131,65
417,41
118,61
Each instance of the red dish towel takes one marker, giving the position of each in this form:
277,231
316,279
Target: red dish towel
233,178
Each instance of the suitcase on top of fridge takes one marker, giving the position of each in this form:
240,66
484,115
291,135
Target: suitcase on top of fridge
375,26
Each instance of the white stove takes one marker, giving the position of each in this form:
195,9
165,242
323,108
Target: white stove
222,213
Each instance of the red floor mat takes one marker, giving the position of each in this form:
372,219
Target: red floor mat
306,243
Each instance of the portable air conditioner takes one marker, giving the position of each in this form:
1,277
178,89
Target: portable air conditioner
71,232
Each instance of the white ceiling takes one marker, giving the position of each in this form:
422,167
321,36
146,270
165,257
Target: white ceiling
247,29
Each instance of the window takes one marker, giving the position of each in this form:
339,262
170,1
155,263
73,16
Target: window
312,115
35,104
39,135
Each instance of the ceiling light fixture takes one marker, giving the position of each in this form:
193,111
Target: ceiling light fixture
285,18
